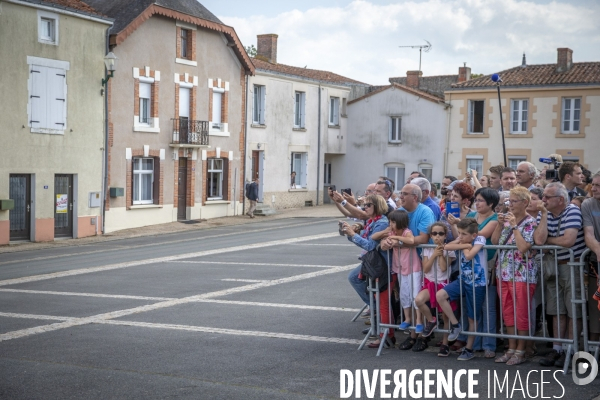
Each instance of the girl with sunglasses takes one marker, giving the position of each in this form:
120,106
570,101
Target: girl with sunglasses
435,267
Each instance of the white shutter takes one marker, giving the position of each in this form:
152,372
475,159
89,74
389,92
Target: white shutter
216,110
184,102
56,98
253,96
37,96
295,107
305,172
145,90
263,104
302,110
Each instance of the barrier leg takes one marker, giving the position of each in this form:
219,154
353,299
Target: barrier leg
358,314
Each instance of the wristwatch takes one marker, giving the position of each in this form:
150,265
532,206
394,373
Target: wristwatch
514,228
344,202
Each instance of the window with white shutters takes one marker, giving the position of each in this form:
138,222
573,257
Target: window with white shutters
47,99
184,102
216,118
519,116
145,97
334,111
571,115
258,114
300,166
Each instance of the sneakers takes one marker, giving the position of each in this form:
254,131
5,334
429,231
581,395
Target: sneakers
550,359
455,330
444,351
404,326
429,327
466,355
418,329
560,363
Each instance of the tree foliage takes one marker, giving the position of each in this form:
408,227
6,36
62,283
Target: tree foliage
251,50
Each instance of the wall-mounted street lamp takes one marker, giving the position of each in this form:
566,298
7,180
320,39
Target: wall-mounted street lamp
109,62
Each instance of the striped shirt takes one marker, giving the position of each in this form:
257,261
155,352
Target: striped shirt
570,217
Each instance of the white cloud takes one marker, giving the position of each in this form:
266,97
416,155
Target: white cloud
361,40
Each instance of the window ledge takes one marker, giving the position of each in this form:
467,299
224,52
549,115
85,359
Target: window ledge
475,135
299,129
333,126
140,206
209,202
518,135
48,131
298,190
148,129
186,62
262,126
570,135
218,133
395,143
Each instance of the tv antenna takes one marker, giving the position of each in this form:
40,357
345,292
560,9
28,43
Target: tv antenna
421,47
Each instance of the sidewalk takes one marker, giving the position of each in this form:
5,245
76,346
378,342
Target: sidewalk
323,211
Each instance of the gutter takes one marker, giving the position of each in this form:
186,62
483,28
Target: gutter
319,145
105,160
448,108
245,148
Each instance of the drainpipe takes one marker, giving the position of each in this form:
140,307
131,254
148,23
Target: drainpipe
449,109
319,145
105,161
245,148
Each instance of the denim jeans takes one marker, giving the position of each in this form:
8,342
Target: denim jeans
359,285
489,305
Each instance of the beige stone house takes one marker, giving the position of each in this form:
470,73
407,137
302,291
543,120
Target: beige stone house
52,119
176,111
297,122
546,108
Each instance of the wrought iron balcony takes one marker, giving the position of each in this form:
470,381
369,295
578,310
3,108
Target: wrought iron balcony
188,131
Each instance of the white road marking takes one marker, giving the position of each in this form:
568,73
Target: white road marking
153,244
160,259
242,280
234,332
257,264
112,296
169,303
35,316
322,244
279,305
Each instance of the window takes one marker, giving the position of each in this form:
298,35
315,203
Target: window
215,178
47,27
396,173
519,116
395,130
47,105
184,43
327,174
143,180
334,111
476,116
216,121
299,109
145,96
184,102
513,161
571,111
476,163
299,165
258,116
427,170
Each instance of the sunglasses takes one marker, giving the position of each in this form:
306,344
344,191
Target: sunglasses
367,205
438,233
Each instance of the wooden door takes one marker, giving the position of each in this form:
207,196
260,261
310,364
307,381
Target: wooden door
63,205
182,190
255,164
20,216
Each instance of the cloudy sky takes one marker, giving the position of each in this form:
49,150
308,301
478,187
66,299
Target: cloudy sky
359,39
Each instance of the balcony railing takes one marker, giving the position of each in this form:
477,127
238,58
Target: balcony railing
188,131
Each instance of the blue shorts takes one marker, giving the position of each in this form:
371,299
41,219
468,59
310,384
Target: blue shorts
453,290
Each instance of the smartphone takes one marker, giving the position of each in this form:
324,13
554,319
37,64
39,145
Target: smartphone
332,188
348,191
341,228
453,208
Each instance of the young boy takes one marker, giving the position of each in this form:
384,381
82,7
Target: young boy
473,264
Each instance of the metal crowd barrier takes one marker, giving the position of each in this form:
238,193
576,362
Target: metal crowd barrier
590,345
576,269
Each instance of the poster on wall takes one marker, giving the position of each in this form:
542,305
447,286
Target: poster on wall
62,201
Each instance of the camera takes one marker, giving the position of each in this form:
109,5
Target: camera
341,228
551,174
332,188
347,191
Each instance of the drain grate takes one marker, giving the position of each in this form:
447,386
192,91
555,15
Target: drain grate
192,221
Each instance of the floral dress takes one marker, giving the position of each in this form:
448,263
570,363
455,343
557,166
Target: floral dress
512,264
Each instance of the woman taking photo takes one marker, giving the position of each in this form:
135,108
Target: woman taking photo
517,273
462,193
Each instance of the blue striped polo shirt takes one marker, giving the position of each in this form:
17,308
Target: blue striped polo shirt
570,217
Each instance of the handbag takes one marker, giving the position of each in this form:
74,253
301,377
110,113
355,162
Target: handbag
374,266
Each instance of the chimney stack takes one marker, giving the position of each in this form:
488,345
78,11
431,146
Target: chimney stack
565,59
412,78
266,47
464,73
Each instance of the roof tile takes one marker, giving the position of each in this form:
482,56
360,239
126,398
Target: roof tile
324,76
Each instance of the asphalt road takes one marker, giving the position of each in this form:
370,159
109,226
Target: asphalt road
238,312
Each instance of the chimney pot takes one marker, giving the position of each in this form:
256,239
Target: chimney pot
565,59
412,78
464,73
266,47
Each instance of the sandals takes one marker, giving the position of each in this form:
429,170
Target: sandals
407,344
505,357
420,345
375,344
489,354
517,358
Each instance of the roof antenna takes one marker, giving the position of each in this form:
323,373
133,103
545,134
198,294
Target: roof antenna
524,62
422,47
